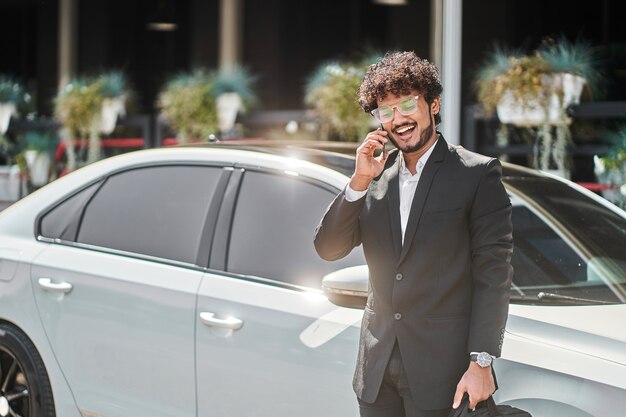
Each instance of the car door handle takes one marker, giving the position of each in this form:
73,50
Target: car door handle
48,285
232,323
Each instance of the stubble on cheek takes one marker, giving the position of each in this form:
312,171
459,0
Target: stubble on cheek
423,139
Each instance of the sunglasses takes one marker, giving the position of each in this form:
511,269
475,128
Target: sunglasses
405,107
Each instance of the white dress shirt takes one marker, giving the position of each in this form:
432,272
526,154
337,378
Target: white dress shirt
408,185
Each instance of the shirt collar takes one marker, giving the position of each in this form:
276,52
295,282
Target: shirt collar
420,162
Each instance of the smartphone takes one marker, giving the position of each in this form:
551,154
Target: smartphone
383,150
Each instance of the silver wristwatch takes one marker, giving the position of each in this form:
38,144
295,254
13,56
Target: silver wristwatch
483,359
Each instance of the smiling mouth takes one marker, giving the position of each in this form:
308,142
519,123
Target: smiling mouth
404,130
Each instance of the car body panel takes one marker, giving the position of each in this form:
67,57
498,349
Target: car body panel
547,393
283,355
124,333
18,307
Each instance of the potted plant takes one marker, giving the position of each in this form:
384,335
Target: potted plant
89,107
114,90
13,100
188,103
78,106
38,149
610,169
233,91
535,90
331,92
12,96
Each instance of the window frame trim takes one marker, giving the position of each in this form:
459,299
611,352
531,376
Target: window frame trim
228,220
222,180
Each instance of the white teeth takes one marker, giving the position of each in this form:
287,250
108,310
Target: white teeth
403,129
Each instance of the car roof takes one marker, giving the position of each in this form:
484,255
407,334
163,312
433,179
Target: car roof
334,155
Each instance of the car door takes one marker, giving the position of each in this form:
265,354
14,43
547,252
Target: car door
116,288
268,342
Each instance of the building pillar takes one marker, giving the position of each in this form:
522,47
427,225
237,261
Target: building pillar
68,41
436,32
231,30
446,50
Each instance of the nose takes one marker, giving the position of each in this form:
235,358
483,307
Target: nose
397,115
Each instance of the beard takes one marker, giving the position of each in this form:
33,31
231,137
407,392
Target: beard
425,136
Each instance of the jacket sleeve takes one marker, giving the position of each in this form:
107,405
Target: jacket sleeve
491,234
338,232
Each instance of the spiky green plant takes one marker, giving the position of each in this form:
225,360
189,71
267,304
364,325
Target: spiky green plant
188,103
39,141
12,91
578,58
112,84
240,81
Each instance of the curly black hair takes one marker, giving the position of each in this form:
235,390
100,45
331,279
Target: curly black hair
399,73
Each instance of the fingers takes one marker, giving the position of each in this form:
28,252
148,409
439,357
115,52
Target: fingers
382,158
374,140
379,135
458,396
472,402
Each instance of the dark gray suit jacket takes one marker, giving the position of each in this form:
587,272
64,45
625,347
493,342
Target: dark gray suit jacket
445,292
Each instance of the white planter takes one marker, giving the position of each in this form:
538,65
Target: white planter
38,167
532,113
6,111
228,105
112,108
11,183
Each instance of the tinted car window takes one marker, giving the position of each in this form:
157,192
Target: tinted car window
273,228
61,222
157,211
541,257
550,264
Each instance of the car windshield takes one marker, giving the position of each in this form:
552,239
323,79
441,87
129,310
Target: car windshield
569,247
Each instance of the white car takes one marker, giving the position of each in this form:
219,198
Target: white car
183,282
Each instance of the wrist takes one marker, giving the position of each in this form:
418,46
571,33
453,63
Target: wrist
482,359
476,367
360,182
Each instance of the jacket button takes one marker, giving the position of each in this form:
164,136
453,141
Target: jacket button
399,277
397,316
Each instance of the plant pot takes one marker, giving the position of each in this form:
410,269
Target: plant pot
6,111
38,167
11,183
111,109
228,105
531,112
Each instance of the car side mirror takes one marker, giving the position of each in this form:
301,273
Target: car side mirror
347,287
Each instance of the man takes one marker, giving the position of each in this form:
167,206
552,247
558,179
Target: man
435,224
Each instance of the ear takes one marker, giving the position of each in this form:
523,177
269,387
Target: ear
435,105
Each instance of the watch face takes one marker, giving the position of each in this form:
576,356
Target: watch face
483,359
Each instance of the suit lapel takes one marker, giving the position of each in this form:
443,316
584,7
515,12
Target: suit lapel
421,193
393,197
